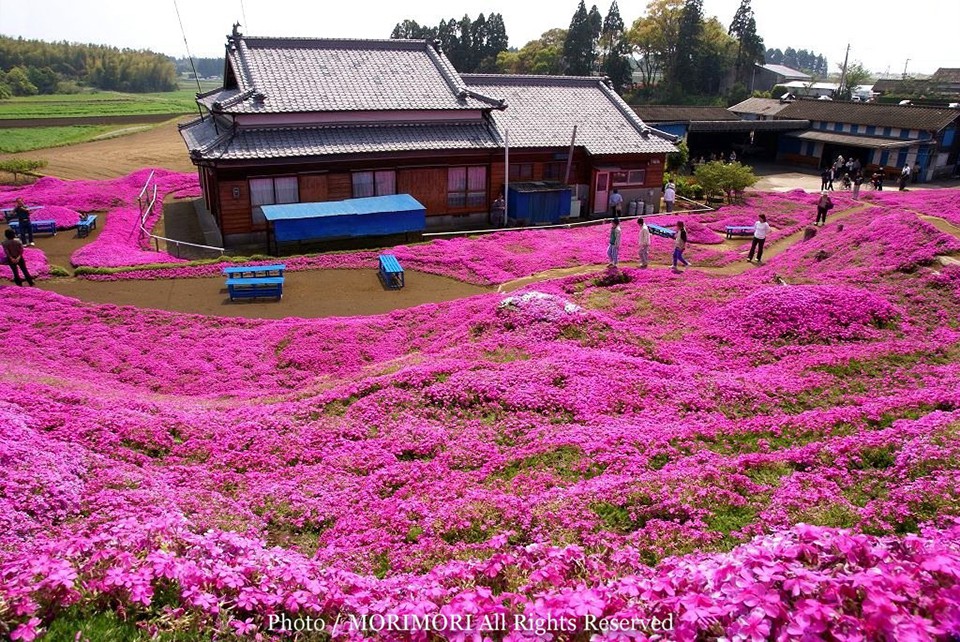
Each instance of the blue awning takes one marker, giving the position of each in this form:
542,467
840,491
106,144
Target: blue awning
355,217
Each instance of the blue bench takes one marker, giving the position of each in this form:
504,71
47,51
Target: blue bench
739,230
85,225
254,271
391,272
8,212
253,288
39,227
659,230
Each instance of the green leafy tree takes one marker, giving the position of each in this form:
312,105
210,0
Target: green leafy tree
653,40
541,57
17,166
19,82
677,162
614,50
411,30
856,75
724,180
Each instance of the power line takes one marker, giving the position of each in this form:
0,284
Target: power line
244,13
187,47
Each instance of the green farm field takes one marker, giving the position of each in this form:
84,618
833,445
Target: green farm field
27,139
102,103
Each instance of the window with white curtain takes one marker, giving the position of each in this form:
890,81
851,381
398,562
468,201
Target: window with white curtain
380,183
466,186
269,191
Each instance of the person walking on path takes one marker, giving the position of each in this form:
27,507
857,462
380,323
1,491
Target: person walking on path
616,203
23,222
679,245
760,230
857,182
613,250
644,243
823,205
670,195
13,252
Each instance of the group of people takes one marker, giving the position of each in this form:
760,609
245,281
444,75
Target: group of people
13,246
679,244
714,157
852,176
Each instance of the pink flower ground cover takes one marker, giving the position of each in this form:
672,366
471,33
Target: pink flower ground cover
739,459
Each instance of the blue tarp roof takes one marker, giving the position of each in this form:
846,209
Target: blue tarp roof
355,217
353,206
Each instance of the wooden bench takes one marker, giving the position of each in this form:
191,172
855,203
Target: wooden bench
739,230
39,227
391,272
254,271
8,212
659,230
85,225
253,288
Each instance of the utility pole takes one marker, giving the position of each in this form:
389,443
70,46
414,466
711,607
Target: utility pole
905,68
843,73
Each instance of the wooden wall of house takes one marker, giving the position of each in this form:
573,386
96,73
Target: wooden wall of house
426,184
235,215
339,186
313,188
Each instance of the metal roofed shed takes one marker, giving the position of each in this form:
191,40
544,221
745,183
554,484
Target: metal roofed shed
538,203
348,219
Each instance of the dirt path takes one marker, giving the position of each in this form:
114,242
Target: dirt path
159,146
730,269
318,293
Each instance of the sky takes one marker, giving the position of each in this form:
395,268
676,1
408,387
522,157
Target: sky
885,36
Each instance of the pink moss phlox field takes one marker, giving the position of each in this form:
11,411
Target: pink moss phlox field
752,460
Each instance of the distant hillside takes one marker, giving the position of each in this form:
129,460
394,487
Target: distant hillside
206,67
30,67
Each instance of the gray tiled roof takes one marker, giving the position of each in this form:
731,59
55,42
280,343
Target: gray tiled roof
905,117
298,142
286,75
542,110
681,113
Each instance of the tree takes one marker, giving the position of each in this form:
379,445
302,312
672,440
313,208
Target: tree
856,75
749,44
19,82
18,166
578,46
718,51
676,162
409,29
720,179
653,40
614,50
685,75
541,57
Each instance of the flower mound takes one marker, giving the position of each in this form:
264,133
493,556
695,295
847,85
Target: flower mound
808,314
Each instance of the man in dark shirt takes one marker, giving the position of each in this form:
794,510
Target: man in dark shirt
23,222
13,252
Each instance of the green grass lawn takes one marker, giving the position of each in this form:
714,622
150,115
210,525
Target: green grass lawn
25,139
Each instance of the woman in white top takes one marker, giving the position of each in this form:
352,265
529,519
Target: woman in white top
760,230
644,243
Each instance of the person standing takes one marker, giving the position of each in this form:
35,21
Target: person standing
23,222
679,245
824,178
857,182
13,251
670,195
616,203
644,243
613,250
760,230
823,205
497,211
904,176
830,177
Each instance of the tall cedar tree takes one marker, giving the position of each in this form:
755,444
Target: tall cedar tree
578,47
749,45
471,45
686,72
613,49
